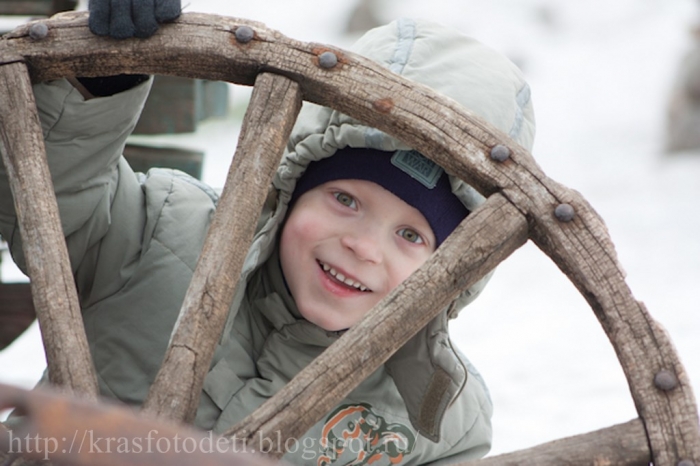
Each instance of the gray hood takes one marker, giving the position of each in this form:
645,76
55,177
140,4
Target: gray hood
477,77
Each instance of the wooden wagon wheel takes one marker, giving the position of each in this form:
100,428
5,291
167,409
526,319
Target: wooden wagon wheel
523,203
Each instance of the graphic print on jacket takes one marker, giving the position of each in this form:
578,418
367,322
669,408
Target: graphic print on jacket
355,435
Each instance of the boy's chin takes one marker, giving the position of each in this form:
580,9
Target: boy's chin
329,325
335,329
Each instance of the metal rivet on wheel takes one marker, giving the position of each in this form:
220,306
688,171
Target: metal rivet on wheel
564,212
38,31
244,34
500,153
327,60
665,380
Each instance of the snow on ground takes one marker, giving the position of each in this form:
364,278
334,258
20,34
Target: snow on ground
601,73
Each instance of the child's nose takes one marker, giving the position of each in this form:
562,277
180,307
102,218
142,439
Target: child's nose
365,244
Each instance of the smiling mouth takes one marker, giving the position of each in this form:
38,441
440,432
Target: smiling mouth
342,278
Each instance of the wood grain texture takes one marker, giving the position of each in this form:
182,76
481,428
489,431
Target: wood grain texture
619,445
175,393
204,46
53,290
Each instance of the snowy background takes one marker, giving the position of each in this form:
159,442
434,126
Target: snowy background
601,73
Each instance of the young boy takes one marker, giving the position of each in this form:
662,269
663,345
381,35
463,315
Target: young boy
352,220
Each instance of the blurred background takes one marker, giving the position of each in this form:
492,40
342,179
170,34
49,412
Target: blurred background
616,100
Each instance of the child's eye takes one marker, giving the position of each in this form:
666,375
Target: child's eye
346,199
410,235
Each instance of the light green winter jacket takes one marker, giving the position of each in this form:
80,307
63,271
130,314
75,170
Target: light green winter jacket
134,240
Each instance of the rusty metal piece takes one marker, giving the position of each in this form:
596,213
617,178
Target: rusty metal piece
327,60
564,212
385,105
38,31
500,153
244,34
70,431
665,380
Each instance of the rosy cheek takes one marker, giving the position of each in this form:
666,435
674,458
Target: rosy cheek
308,228
300,226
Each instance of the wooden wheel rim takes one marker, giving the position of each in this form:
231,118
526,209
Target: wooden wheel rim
557,219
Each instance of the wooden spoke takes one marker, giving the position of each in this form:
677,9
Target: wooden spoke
488,235
55,297
275,103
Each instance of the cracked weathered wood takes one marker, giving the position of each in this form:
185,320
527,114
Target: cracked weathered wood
488,235
273,109
53,290
204,46
619,445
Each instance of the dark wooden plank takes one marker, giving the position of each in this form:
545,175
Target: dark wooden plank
16,311
35,7
175,105
274,106
142,158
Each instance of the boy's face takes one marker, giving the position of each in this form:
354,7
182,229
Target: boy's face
345,245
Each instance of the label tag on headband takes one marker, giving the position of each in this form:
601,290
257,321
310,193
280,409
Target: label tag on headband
417,167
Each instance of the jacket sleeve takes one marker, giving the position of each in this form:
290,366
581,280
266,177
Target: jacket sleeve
84,142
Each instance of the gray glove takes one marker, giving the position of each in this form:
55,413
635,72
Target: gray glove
121,19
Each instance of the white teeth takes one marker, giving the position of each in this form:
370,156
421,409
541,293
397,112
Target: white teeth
340,277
